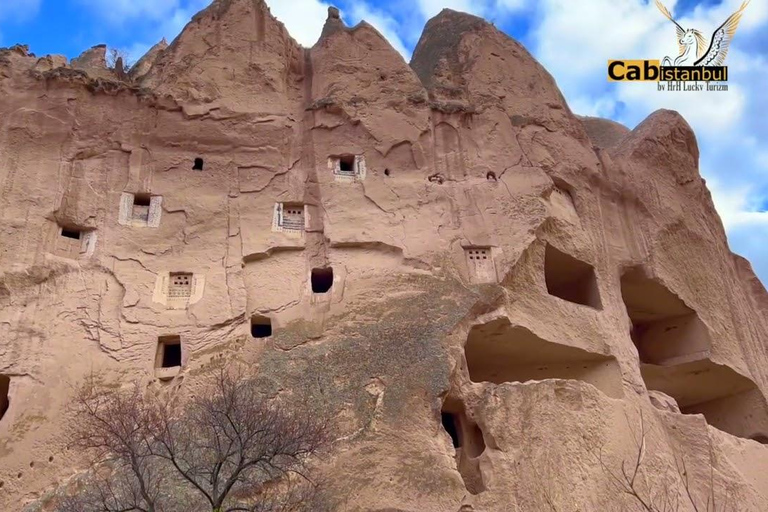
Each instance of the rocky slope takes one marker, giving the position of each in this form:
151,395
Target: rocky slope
513,289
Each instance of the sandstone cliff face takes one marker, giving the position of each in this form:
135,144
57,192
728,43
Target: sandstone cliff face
486,290
145,63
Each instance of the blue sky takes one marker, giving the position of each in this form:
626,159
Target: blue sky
573,39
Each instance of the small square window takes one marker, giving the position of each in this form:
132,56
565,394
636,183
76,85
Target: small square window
347,164
141,204
140,210
261,326
347,168
180,285
72,242
292,217
322,280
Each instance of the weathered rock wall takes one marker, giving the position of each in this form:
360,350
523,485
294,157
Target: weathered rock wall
500,266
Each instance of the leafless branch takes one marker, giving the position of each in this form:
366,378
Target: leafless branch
117,59
659,499
225,449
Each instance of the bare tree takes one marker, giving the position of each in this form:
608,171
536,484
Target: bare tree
113,426
232,442
118,60
226,449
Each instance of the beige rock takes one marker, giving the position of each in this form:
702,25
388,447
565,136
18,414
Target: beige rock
663,401
94,62
604,133
489,293
145,63
50,62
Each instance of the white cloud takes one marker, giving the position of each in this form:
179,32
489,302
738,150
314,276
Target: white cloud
574,40
384,23
306,28
755,15
172,25
304,19
136,51
510,5
585,106
154,22
736,205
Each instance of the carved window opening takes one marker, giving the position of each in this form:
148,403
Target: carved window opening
180,286
69,244
168,352
480,264
664,329
140,210
499,352
322,280
491,176
141,206
198,165
674,347
73,242
468,441
5,401
479,254
571,279
292,217
348,167
261,326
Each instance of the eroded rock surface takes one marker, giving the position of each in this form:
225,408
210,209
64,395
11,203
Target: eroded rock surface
489,293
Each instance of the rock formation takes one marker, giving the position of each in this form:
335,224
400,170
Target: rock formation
489,293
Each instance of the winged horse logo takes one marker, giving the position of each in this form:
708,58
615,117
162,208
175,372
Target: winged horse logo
693,46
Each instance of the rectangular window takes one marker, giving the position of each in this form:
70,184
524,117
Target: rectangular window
70,242
348,167
141,204
480,264
292,217
261,326
479,254
168,352
69,233
180,285
140,210
571,279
